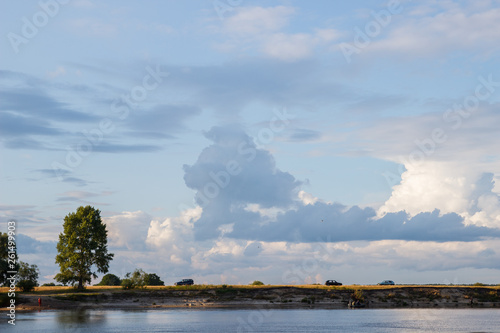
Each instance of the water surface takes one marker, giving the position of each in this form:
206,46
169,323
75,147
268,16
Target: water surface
217,320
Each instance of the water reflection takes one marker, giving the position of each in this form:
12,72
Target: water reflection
81,318
225,320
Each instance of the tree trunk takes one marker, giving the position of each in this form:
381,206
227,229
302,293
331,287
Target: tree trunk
80,283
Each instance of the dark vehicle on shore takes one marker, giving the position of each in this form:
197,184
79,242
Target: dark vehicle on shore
185,282
386,283
332,283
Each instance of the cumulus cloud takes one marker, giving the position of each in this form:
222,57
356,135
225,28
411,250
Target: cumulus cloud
232,173
431,185
453,171
128,230
174,236
449,188
253,217
321,222
238,185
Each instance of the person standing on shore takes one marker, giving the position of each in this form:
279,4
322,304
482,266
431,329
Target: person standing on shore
39,302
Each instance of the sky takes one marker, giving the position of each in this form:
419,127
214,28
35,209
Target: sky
284,141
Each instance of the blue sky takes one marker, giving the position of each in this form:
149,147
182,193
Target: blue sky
230,141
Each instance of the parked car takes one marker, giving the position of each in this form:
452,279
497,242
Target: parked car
386,283
185,282
332,283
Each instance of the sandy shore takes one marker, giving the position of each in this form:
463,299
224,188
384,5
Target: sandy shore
240,297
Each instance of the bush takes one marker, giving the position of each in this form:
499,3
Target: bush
137,279
27,276
26,285
110,280
257,283
479,284
50,284
154,280
127,284
358,295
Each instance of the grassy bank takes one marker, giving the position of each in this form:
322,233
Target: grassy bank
277,296
97,289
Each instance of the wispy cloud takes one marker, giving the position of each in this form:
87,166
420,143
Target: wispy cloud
261,29
36,103
451,29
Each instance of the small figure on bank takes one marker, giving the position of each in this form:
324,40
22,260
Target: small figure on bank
39,302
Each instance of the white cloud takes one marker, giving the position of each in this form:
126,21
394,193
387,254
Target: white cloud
307,198
449,187
264,212
425,256
295,46
489,211
454,28
262,29
428,186
258,20
241,261
454,172
128,229
288,47
174,236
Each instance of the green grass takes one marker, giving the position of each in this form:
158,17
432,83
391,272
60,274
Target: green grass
93,290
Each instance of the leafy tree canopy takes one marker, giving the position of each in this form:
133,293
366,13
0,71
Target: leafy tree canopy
137,279
7,251
141,279
154,280
27,276
110,280
257,283
82,246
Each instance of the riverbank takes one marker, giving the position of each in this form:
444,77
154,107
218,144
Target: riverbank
236,297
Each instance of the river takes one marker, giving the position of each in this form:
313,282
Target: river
217,320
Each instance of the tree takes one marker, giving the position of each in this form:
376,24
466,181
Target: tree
137,279
8,257
110,280
82,246
154,280
257,283
27,276
4,268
